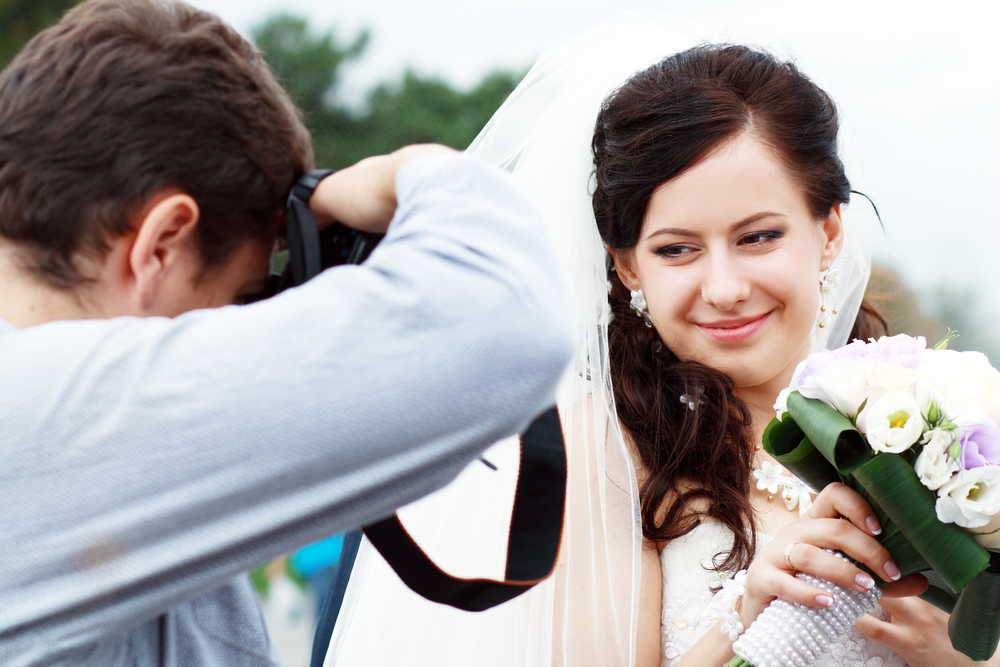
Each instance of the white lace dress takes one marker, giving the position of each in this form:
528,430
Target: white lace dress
690,608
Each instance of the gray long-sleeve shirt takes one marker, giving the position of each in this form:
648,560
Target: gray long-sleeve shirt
146,463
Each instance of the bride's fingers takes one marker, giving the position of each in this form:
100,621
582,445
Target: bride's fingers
911,584
800,557
845,537
840,500
765,584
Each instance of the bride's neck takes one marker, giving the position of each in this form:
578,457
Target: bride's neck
761,404
760,398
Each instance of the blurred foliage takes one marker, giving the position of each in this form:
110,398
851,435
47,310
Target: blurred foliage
309,68
931,314
413,110
21,19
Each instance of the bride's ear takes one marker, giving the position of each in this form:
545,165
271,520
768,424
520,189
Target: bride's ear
831,235
623,266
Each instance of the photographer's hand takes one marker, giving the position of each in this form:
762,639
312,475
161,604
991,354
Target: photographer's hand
363,196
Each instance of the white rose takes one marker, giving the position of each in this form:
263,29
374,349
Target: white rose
894,422
840,385
933,466
889,341
963,384
781,403
890,376
970,498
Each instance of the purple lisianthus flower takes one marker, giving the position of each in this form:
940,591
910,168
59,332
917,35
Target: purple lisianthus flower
817,362
980,445
902,348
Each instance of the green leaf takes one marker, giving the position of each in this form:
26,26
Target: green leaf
949,549
786,442
906,556
974,626
831,433
940,597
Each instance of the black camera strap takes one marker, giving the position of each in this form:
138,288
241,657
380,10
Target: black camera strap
535,531
303,236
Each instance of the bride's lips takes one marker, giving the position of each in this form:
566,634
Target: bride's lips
735,330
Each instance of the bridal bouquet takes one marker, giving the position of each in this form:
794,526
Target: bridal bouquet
915,431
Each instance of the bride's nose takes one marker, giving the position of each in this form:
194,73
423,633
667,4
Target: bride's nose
724,285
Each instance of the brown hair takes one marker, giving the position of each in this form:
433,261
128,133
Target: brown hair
660,123
123,98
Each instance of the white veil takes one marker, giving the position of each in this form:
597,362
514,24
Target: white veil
587,612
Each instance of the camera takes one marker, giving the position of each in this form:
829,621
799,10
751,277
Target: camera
310,250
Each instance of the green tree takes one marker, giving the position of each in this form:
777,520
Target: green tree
421,110
308,67
20,20
412,110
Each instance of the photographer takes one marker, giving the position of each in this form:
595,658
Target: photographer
155,445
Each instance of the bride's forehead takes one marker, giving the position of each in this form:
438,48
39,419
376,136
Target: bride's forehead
740,179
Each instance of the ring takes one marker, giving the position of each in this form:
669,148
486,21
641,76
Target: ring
788,549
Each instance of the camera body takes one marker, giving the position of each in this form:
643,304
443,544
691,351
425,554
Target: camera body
310,250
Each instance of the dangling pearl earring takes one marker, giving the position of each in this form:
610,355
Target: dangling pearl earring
638,304
827,283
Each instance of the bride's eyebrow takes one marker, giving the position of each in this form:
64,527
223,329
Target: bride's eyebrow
756,217
688,233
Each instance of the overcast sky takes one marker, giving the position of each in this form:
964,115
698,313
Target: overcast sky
917,82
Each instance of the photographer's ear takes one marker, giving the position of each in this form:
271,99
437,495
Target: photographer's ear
163,251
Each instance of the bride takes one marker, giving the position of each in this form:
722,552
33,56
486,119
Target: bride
705,227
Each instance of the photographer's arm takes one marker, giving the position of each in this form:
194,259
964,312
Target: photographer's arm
363,196
149,460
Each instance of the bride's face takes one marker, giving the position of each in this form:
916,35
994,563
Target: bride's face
728,258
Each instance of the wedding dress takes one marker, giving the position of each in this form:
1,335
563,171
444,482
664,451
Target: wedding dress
587,613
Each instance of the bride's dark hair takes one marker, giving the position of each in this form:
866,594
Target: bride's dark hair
660,123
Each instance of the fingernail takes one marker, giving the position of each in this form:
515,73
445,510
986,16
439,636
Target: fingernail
824,600
890,569
873,526
863,580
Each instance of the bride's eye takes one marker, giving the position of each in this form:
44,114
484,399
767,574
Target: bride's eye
674,251
761,238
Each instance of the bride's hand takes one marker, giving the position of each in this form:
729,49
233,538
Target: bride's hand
799,547
918,632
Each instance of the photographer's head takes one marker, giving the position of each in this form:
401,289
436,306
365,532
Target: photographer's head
143,142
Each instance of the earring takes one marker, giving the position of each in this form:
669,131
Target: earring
638,304
827,283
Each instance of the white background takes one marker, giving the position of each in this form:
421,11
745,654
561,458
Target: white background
918,83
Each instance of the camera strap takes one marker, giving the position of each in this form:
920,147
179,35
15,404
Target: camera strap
535,531
303,235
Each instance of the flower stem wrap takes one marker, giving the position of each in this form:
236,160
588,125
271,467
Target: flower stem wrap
819,445
973,626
